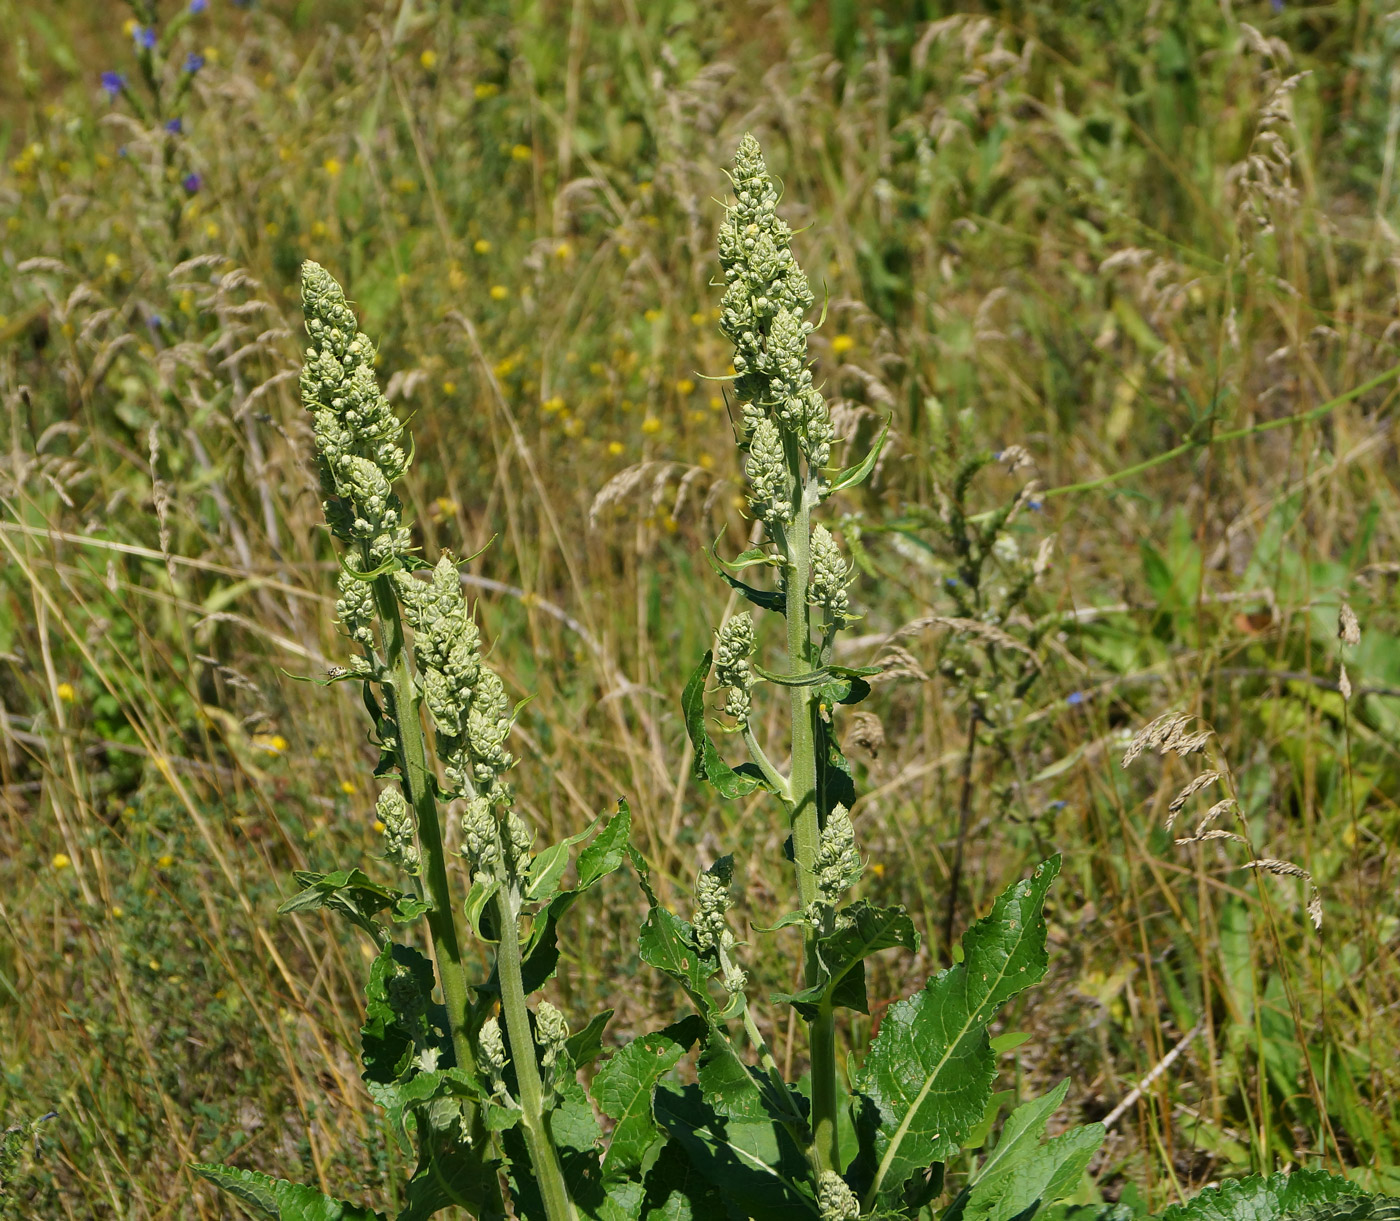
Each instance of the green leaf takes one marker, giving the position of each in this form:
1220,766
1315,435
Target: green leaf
757,1167
547,869
667,943
1353,1208
586,1045
1009,1041
1036,1175
279,1200
606,853
767,599
930,1069
855,475
1260,1199
709,763
676,1191
353,895
449,1170
400,1014
478,902
843,952
747,559
624,1086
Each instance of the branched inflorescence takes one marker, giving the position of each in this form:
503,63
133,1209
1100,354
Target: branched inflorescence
763,313
357,433
470,712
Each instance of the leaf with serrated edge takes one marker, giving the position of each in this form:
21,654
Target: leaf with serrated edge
1260,1199
1033,1174
608,851
709,764
931,1067
279,1200
624,1086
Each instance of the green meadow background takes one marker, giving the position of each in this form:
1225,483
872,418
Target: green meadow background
1156,244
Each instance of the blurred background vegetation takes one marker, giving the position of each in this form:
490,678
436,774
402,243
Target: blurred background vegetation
1099,231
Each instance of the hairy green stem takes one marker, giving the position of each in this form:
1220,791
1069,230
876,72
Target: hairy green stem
806,820
544,1158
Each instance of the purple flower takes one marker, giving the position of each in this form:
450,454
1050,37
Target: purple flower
1074,697
194,61
175,126
1056,805
154,322
198,6
192,183
145,36
113,82
1035,506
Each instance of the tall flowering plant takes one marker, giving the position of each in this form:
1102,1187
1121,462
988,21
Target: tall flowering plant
480,1076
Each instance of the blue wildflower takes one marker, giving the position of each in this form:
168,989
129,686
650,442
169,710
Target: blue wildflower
1035,506
198,6
1057,805
1074,697
113,82
145,36
155,322
194,61
175,126
192,183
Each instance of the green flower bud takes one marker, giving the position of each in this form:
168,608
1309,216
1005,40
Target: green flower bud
481,843
357,433
734,646
763,310
767,471
399,846
493,1053
838,863
518,839
552,1031
835,1200
355,609
829,577
711,902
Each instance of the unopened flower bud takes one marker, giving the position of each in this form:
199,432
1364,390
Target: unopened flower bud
768,473
829,577
711,902
734,646
835,1200
399,846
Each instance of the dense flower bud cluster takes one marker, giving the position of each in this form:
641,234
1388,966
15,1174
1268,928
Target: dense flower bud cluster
355,609
835,1200
734,646
766,298
357,433
838,863
768,474
552,1031
829,577
471,713
493,1054
712,901
399,846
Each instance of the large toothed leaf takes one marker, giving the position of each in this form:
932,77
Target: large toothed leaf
709,763
757,1168
1024,1171
272,1199
676,1191
667,943
930,1070
1256,1198
624,1086
354,896
449,1170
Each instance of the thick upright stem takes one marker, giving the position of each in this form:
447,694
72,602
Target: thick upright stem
806,820
544,1158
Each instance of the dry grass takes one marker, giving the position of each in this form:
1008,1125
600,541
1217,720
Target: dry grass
1102,238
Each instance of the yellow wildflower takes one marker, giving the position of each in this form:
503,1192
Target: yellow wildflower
378,827
272,228
211,230
651,425
347,787
521,152
485,89
60,860
332,166
428,59
272,744
481,246
563,251
652,315
449,387
553,403
841,344
165,861
615,448
685,386
65,692
499,292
